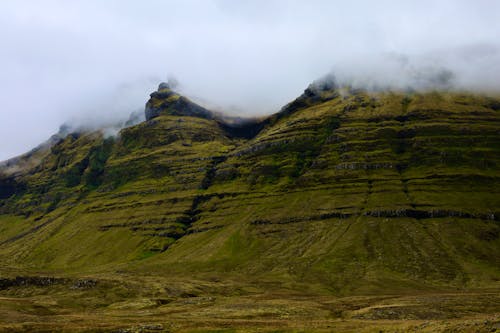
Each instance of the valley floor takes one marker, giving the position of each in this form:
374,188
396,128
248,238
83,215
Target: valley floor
158,304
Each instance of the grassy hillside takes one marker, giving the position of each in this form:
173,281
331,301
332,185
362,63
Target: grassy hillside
343,193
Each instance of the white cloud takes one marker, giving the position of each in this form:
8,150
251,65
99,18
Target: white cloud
94,60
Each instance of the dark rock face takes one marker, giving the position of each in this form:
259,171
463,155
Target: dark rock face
162,94
84,284
37,281
151,112
163,85
165,101
184,107
9,186
245,130
45,281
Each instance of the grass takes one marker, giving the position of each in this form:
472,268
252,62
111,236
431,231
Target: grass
148,309
351,213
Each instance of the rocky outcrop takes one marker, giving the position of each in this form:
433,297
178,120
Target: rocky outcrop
25,281
45,281
166,101
9,186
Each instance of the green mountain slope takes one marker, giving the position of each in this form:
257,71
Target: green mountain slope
342,191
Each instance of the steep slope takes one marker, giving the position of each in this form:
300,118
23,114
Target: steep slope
348,191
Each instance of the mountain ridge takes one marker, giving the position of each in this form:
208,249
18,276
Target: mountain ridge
333,162
345,208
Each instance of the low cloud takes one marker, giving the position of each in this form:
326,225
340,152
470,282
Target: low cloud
94,62
473,68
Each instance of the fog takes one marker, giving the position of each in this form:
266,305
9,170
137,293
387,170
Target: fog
96,61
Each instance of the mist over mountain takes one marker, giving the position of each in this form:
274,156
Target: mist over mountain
91,61
348,207
249,166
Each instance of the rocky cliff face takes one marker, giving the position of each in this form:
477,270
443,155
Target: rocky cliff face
167,102
348,189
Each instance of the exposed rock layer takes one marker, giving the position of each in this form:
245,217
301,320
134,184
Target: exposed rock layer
348,189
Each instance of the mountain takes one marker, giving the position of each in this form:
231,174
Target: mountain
343,192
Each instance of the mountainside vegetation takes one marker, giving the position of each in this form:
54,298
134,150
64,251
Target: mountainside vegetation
361,200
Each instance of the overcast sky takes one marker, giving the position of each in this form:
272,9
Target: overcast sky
95,60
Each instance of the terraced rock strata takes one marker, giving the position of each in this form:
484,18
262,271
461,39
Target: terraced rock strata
343,192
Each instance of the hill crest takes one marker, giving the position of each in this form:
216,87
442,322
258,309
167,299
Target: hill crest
353,192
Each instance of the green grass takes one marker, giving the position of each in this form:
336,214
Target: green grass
351,196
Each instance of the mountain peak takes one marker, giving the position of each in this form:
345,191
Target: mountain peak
163,85
321,85
165,101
